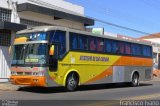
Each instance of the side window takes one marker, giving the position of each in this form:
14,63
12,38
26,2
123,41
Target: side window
60,38
133,49
73,41
92,44
150,51
108,47
83,42
114,47
136,49
127,48
100,45
42,36
120,48
147,51
139,50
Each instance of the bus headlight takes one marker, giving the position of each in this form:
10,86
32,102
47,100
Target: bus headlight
38,73
13,73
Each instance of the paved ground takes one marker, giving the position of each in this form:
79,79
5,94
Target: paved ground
7,86
93,95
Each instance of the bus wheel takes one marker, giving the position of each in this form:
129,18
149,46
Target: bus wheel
72,81
135,80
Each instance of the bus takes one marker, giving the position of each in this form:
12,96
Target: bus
59,56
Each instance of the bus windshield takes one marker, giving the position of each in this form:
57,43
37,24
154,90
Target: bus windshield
36,36
27,54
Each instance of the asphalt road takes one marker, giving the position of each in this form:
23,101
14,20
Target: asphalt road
92,95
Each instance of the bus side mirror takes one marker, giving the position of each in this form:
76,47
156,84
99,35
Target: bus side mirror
51,50
10,48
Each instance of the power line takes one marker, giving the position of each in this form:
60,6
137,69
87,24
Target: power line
152,4
112,24
119,26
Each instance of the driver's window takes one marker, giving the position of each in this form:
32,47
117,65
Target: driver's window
53,57
60,38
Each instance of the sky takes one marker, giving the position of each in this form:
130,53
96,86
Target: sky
141,15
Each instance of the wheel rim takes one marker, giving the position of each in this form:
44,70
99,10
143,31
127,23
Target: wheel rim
72,83
135,80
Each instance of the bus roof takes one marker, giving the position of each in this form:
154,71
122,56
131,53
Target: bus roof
49,28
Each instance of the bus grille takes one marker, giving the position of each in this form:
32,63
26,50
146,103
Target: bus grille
24,80
24,73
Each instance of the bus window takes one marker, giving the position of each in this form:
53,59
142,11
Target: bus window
42,49
114,47
41,36
35,36
147,51
136,50
120,48
74,41
108,47
62,40
150,51
127,48
83,43
92,44
59,37
100,45
139,50
133,49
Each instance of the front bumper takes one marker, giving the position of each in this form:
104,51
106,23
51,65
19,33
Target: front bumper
28,80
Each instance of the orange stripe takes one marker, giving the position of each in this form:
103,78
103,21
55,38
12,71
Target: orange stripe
29,80
105,73
133,61
123,61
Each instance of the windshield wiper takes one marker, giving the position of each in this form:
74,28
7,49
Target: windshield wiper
29,51
22,51
25,52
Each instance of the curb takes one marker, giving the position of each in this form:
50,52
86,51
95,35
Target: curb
153,80
8,87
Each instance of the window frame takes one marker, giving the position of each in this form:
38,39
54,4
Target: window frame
5,38
103,46
111,43
60,56
5,14
83,37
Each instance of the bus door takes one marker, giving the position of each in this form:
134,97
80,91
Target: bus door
53,57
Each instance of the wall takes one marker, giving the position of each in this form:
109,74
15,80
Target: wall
5,56
5,4
4,63
5,60
57,4
50,20
154,40
156,52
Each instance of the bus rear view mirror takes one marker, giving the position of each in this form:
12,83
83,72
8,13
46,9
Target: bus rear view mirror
10,49
51,50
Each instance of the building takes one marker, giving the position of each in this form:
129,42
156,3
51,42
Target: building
155,40
16,15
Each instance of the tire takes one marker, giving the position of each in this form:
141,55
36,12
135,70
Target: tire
72,82
135,80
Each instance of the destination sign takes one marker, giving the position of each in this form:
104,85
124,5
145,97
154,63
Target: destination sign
94,58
